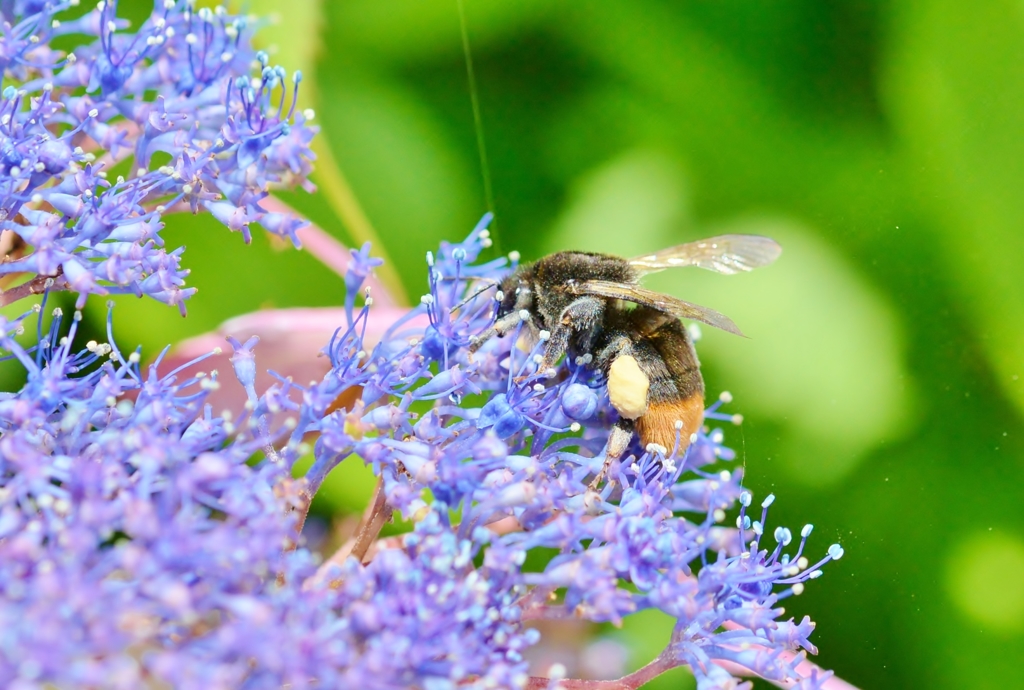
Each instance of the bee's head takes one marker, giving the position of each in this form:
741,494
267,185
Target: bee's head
514,292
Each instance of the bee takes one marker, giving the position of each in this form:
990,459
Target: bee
592,305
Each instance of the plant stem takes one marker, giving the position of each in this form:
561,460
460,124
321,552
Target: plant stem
632,681
376,514
36,286
335,255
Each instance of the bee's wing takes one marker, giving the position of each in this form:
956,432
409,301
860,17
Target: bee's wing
723,254
656,300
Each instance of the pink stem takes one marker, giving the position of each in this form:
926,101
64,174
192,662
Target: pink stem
630,682
376,514
36,286
330,252
804,668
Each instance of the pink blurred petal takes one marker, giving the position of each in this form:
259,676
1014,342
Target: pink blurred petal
291,341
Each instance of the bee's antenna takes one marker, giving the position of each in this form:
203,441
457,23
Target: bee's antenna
478,125
489,284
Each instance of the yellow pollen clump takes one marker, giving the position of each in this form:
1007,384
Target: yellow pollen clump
627,387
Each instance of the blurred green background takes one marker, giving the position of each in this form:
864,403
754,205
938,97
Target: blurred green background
882,143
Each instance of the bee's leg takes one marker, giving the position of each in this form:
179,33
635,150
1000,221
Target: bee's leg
500,327
582,316
618,345
506,323
618,440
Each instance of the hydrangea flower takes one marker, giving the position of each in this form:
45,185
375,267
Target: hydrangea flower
98,145
141,542
149,537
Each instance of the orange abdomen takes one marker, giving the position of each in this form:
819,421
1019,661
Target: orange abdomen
658,424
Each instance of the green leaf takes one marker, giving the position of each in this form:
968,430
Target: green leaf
635,202
401,164
645,633
955,91
425,28
740,139
346,489
293,38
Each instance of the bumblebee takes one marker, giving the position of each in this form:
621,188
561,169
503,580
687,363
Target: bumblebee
593,304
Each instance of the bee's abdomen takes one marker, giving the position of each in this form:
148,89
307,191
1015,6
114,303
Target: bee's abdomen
662,367
658,424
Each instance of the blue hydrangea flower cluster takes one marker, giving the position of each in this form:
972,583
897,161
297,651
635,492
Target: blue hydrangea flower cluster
99,144
148,540
145,540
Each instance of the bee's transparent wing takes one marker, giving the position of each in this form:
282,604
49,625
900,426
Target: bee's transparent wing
723,254
656,300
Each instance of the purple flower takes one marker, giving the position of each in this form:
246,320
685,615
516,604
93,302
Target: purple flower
181,90
147,537
361,266
519,456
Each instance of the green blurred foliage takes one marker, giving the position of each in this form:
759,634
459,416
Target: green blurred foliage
881,142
